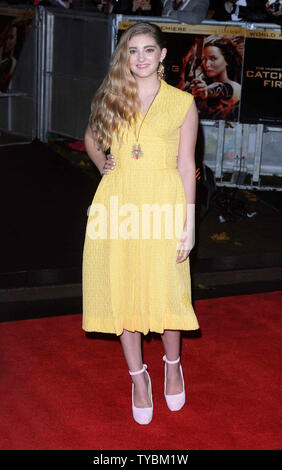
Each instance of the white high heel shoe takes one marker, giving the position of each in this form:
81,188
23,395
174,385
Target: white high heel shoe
174,402
142,415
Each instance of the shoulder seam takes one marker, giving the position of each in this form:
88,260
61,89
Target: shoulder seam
177,90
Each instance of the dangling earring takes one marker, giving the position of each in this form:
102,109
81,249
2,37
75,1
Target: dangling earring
161,70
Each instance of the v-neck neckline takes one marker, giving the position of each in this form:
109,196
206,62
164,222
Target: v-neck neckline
154,100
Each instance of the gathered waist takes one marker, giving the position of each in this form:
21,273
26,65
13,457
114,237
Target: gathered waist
141,170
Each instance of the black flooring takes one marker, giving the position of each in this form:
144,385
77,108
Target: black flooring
44,201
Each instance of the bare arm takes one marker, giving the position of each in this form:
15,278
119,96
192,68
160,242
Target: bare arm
187,170
186,153
98,157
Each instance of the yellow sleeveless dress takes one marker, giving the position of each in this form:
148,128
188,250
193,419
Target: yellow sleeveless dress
130,278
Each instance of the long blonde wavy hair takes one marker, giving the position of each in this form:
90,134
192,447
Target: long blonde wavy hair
116,103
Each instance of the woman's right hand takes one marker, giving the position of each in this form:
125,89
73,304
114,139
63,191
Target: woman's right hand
109,165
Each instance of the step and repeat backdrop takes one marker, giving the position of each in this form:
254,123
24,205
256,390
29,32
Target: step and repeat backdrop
234,73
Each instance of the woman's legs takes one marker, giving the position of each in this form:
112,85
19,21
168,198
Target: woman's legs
171,342
131,344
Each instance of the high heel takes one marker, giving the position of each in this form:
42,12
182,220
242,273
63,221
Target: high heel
142,415
174,402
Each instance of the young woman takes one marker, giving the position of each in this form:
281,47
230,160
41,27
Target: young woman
136,277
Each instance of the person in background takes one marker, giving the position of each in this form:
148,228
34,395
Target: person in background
103,6
260,11
253,11
246,10
220,10
8,42
274,11
186,11
53,3
137,7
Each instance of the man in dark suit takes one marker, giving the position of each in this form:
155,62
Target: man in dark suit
186,11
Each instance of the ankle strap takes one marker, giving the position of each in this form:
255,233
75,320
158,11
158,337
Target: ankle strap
139,371
170,362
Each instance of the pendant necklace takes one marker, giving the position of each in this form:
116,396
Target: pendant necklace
136,149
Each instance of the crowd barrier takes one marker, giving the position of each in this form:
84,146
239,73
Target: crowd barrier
65,56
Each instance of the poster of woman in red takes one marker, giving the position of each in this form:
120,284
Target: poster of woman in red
211,71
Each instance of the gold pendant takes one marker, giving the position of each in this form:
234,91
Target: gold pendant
136,151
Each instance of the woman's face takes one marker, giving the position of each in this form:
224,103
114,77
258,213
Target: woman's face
144,55
213,61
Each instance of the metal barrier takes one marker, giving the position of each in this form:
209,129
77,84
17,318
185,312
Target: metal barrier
76,51
21,97
68,54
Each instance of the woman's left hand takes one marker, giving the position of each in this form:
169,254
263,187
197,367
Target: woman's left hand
186,244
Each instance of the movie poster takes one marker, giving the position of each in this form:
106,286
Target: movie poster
262,78
14,26
206,61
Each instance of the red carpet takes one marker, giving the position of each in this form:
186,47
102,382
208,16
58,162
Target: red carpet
62,390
